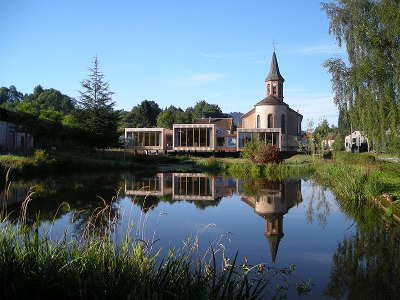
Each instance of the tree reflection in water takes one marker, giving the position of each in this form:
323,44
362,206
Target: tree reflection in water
366,265
318,204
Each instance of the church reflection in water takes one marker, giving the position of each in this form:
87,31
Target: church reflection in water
269,199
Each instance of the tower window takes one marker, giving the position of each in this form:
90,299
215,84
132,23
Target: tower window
258,121
274,89
270,121
268,89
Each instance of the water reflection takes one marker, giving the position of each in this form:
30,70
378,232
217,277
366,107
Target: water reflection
362,255
366,265
270,199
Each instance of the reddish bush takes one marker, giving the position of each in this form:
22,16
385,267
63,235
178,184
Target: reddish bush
261,153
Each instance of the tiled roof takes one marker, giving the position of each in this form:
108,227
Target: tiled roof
271,100
222,123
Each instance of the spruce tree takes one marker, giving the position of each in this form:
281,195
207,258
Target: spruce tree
97,115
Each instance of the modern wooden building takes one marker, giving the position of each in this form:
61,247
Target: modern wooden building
271,120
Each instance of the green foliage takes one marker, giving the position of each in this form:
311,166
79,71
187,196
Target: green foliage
258,152
366,90
354,158
97,115
10,95
172,115
202,109
338,144
142,115
40,155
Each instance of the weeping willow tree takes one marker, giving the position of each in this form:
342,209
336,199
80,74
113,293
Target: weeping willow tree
366,89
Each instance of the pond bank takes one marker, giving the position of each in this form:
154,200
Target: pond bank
42,163
356,179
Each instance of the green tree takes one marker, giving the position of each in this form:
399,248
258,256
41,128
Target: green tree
143,115
366,89
45,100
10,95
202,109
170,116
338,144
96,113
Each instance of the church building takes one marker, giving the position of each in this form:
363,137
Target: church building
271,120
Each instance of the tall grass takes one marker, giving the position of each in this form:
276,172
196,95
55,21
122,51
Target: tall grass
252,170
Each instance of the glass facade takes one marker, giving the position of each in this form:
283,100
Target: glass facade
192,137
266,137
144,138
192,186
152,184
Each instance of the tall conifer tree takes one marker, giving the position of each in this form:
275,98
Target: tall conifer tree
97,113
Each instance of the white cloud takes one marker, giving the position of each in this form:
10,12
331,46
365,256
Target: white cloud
320,49
199,79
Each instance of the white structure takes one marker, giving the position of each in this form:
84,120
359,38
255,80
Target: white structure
355,141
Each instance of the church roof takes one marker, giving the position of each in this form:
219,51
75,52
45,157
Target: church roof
274,73
271,100
273,241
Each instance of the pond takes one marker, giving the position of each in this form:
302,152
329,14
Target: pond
280,223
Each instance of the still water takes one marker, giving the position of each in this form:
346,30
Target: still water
282,222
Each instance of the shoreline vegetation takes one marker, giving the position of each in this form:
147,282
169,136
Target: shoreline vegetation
93,266
357,180
354,178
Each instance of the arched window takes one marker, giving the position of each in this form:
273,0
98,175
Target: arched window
258,121
283,124
270,121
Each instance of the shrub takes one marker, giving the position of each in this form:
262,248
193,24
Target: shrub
327,155
338,144
40,155
258,152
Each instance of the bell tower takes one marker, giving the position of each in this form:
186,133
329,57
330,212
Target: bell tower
274,81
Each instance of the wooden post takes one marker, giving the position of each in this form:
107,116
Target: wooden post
186,135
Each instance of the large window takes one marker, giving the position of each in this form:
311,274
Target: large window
265,137
192,137
144,138
283,124
192,186
270,121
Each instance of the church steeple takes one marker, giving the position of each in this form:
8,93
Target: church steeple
274,81
274,233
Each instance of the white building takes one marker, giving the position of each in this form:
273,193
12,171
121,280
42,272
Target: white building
356,142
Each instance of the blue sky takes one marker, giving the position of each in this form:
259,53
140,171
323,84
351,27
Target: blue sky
173,52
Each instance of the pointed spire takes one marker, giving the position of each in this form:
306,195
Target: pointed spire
274,73
273,241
